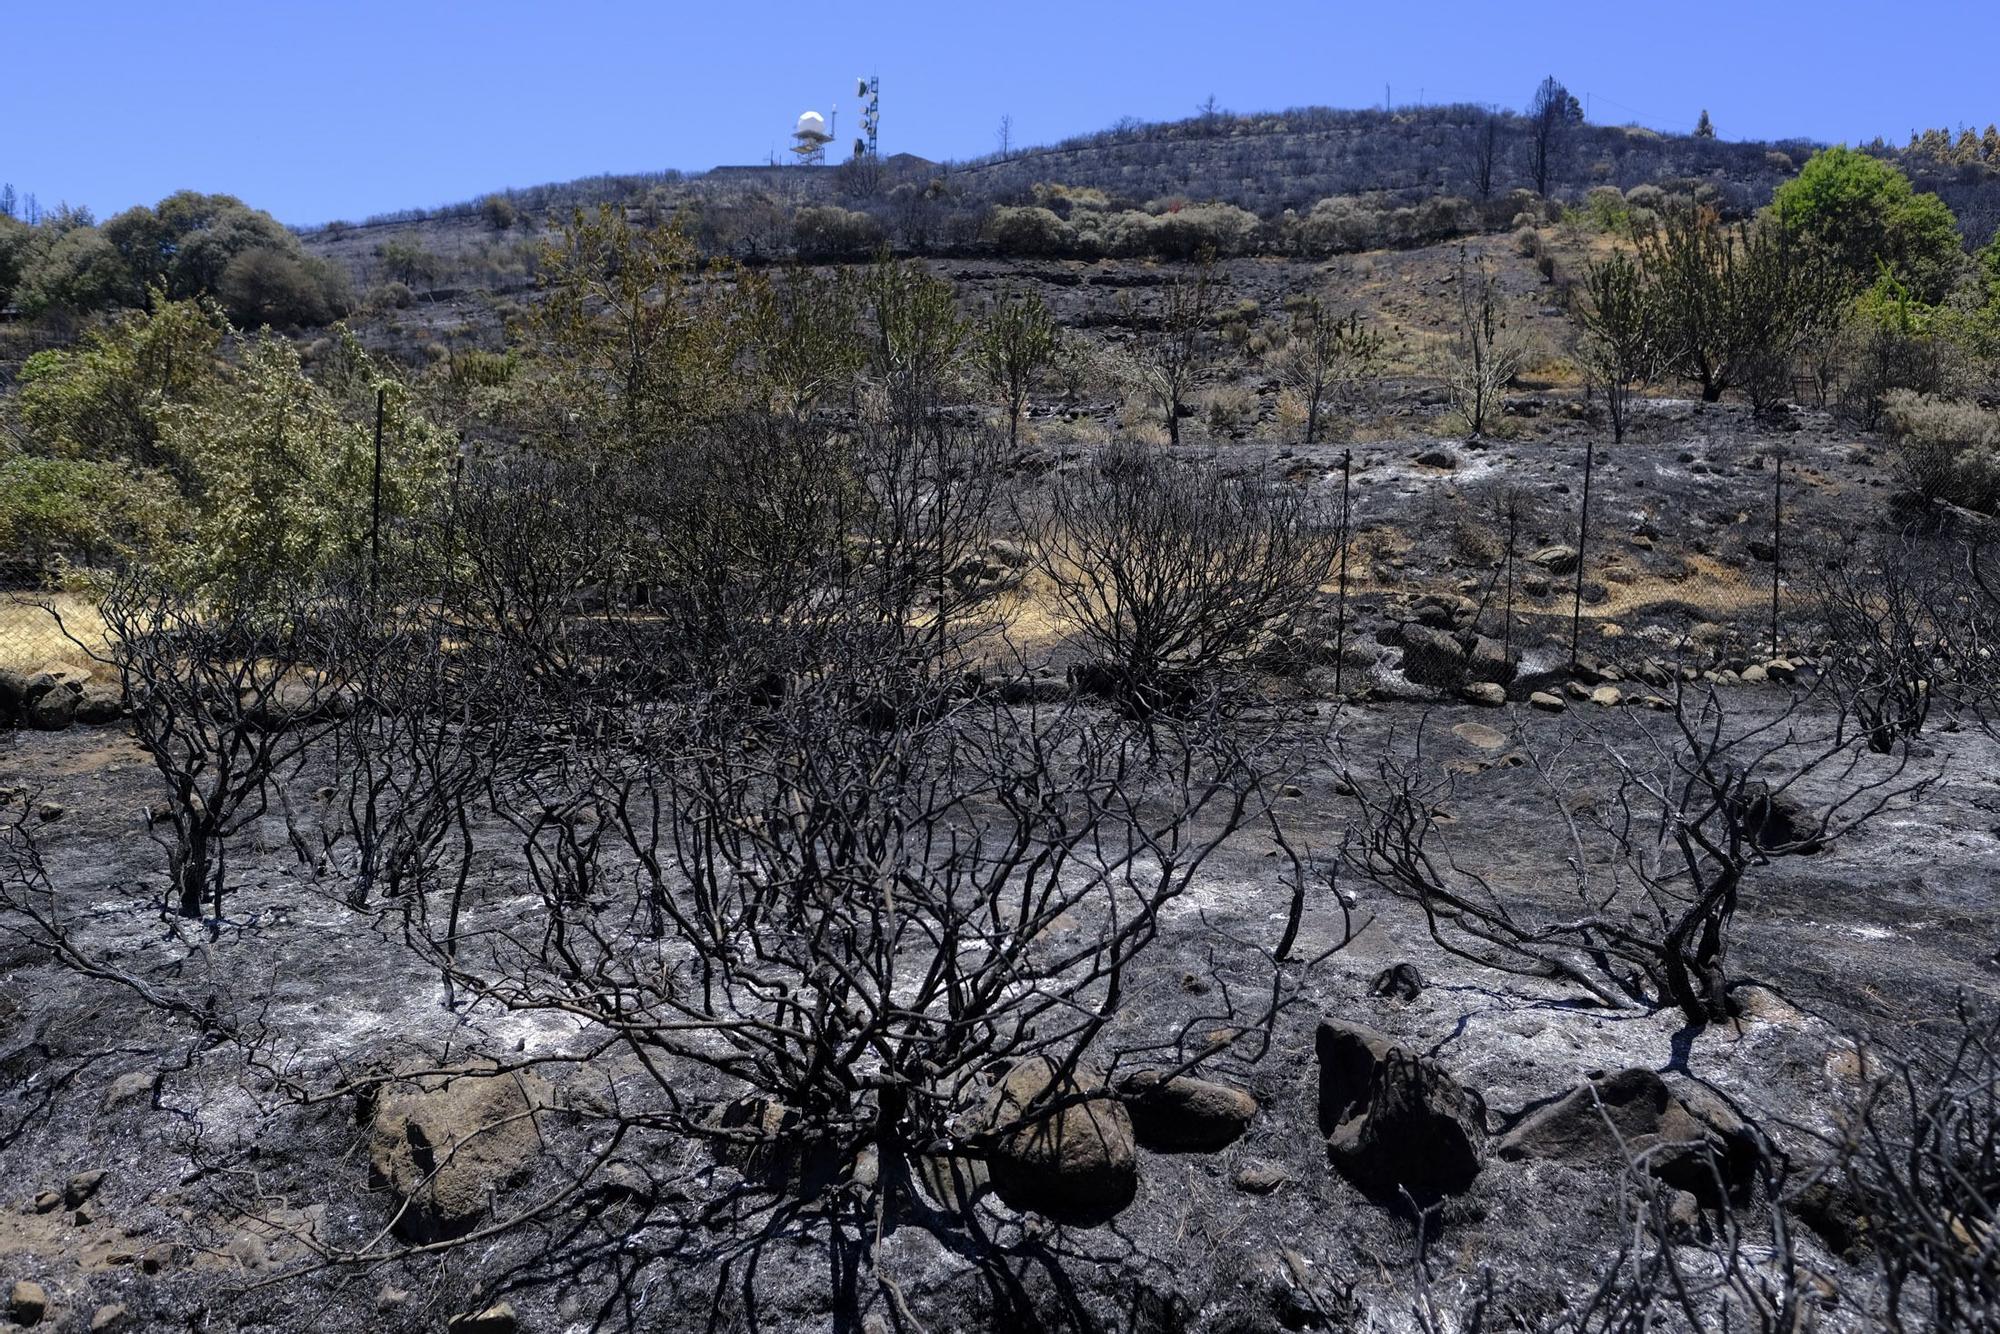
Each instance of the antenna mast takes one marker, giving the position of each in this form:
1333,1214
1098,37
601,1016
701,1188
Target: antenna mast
869,90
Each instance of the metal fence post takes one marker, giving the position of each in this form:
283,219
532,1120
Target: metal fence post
375,512
1582,545
1340,606
1777,542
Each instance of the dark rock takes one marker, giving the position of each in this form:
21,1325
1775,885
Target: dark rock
1183,1113
13,696
53,699
100,704
1028,689
1777,821
1687,1148
1010,554
767,1142
1399,982
80,1188
1490,660
1421,1132
498,1318
1348,1054
1076,1161
136,1086
1395,1120
1437,458
29,1302
1556,559
442,1143
1837,1216
1433,658
1260,1178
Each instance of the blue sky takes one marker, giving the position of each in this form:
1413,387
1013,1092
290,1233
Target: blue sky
321,110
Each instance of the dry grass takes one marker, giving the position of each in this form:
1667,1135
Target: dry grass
30,638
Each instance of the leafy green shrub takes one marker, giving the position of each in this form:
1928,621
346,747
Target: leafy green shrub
1946,449
1186,232
1895,343
409,263
498,212
832,233
76,271
267,287
1030,231
57,512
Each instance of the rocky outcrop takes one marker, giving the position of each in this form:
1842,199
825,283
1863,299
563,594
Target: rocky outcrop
444,1143
1432,658
1184,1114
1074,1161
1686,1137
1396,1121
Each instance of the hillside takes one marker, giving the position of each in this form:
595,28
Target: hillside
1410,177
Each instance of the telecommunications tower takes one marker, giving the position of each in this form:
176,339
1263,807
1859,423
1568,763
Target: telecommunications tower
869,90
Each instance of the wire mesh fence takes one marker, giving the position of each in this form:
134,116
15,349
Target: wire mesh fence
42,622
1562,561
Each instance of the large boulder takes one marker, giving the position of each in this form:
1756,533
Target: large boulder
769,1143
13,696
1075,1161
1777,820
1687,1137
444,1143
1433,658
1398,1121
1184,1113
100,704
52,698
1490,660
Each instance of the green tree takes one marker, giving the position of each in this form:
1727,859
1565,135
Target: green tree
1866,214
1621,337
1704,128
267,287
103,399
282,469
633,342
1690,260
1018,341
1326,353
498,212
803,336
1173,357
73,271
915,337
16,243
57,512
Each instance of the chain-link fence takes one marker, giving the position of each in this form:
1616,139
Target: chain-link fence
1633,561
1642,562
43,624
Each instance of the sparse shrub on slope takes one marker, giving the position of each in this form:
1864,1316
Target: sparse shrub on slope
1946,450
1030,231
834,233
